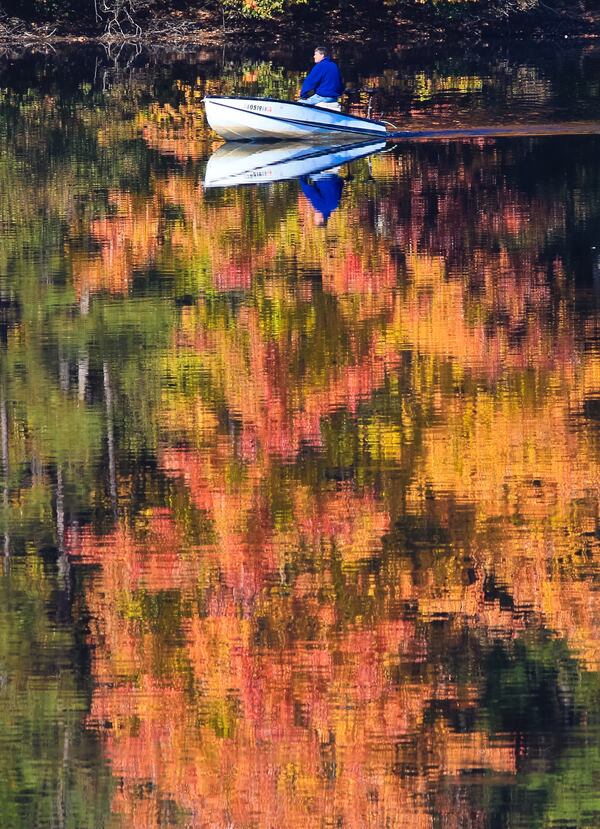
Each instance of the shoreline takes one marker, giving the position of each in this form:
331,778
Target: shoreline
216,38
206,30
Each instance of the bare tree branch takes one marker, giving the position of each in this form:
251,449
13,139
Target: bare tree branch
120,18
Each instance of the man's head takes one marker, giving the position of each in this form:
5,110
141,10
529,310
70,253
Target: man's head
320,53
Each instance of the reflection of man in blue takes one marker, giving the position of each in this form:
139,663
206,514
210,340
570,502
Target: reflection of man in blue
324,193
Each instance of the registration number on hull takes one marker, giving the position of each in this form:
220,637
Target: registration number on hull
258,108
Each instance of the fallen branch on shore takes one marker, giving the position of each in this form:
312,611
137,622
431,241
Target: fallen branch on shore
14,29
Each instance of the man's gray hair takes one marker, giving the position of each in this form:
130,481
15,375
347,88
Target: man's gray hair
323,50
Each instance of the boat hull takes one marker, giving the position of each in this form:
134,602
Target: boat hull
246,119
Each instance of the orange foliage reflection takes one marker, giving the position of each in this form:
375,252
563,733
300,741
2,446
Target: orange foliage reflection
254,659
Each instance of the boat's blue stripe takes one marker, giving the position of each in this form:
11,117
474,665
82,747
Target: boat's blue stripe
326,127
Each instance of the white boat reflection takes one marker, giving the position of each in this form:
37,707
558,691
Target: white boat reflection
245,162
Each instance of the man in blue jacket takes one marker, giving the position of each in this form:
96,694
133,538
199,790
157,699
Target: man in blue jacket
324,80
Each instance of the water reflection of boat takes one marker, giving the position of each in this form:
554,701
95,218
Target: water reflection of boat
238,119
253,163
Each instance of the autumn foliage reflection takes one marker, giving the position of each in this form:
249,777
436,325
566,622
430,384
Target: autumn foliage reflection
365,431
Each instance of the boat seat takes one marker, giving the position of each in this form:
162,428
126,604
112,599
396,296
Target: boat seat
334,106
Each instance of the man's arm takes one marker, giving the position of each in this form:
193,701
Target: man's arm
311,81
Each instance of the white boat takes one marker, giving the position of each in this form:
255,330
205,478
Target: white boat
243,119
242,162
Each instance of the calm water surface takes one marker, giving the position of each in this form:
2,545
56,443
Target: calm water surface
300,480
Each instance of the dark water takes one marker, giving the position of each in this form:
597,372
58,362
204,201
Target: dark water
300,480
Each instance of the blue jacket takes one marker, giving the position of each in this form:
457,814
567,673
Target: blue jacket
324,79
324,193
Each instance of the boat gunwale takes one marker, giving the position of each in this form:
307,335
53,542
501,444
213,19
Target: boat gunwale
291,103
